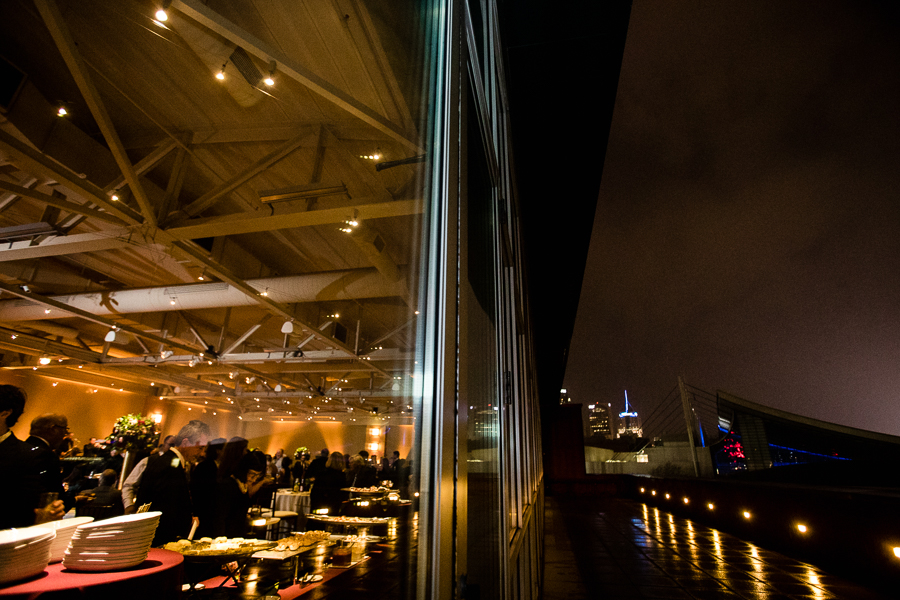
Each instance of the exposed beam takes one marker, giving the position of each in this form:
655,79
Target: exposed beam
242,223
17,291
213,196
222,26
61,203
55,22
148,162
40,165
67,244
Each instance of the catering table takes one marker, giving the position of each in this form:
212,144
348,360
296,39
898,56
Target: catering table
288,499
157,577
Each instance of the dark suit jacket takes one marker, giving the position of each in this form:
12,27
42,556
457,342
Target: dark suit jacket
20,471
48,465
164,484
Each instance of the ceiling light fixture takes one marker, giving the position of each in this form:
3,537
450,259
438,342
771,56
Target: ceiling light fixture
161,14
61,111
221,74
44,360
270,78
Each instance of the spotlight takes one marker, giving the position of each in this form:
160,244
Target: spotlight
221,74
110,335
44,360
269,80
61,111
161,14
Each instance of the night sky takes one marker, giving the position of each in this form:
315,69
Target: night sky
747,234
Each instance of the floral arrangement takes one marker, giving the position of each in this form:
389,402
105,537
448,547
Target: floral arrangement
134,433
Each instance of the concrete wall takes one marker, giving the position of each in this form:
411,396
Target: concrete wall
672,455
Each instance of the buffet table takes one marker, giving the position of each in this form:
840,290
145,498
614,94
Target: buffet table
297,502
157,577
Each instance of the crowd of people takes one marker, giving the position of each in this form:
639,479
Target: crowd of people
200,484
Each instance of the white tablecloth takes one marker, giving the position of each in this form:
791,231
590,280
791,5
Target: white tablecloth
297,502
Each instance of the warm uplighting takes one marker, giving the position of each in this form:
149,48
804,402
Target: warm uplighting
269,81
221,74
668,496
653,493
711,506
642,490
897,552
157,418
746,514
801,527
686,500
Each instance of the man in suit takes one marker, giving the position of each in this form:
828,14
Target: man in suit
20,469
164,482
46,435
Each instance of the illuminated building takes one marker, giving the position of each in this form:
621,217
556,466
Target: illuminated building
629,422
599,420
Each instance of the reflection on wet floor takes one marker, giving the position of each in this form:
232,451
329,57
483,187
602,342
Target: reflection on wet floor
625,549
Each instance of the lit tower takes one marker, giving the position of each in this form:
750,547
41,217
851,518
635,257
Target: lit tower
629,421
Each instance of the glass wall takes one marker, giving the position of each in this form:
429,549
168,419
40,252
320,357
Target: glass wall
299,217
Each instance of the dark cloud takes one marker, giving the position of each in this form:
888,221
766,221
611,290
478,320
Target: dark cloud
746,234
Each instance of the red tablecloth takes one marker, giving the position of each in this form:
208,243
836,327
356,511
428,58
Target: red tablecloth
157,577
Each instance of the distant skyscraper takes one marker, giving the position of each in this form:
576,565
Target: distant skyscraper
629,421
598,418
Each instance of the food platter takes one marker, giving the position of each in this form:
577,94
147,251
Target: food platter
219,549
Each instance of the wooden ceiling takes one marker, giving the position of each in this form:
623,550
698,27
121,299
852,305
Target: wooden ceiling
144,209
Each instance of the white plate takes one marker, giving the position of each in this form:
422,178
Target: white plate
126,521
12,538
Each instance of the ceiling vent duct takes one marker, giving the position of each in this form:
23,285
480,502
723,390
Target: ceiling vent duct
244,64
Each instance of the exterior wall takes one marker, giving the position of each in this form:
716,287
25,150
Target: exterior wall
672,455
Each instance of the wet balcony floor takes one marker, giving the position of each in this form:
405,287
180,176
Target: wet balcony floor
617,549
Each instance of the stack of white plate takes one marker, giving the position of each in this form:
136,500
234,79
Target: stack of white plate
24,552
64,530
111,544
